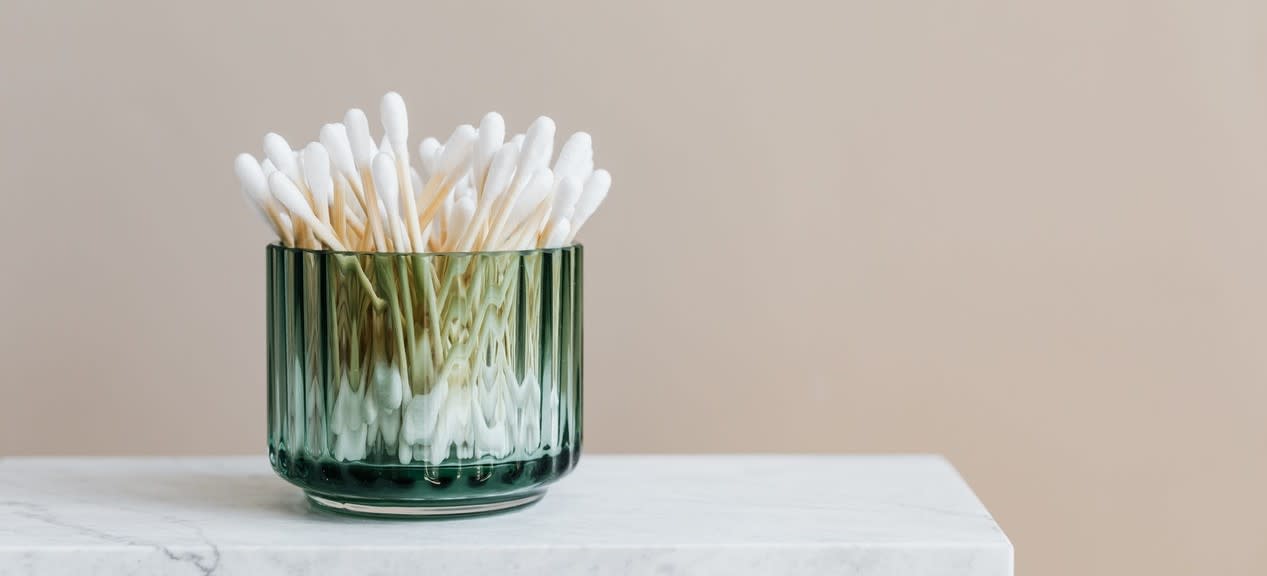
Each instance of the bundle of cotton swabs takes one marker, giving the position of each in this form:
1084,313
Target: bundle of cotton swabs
474,192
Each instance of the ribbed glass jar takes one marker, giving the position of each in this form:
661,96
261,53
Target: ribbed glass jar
424,384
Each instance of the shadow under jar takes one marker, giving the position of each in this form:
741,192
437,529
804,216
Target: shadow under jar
424,384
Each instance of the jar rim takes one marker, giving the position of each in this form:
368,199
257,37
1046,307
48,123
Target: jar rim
575,246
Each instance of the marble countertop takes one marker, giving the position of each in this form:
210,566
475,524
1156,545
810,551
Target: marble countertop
714,514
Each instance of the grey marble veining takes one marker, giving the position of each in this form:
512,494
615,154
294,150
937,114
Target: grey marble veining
860,515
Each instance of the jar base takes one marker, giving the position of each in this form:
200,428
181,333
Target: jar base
422,510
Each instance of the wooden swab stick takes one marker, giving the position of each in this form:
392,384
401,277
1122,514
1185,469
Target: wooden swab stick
396,125
500,173
533,194
386,186
363,151
339,214
453,163
566,195
492,134
558,235
541,180
288,228
255,186
524,235
288,194
335,138
463,213
316,168
534,155
371,212
281,155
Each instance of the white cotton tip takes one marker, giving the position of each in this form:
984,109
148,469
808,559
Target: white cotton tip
285,191
395,119
404,452
335,138
389,424
428,154
518,139
339,421
560,231
255,189
565,198
317,173
592,195
267,166
500,172
573,157
363,147
279,152
538,145
533,193
254,183
386,186
456,155
422,415
387,389
492,134
369,406
416,179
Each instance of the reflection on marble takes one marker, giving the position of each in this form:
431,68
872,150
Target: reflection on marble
865,515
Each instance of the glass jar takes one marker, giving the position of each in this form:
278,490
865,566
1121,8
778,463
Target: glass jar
424,384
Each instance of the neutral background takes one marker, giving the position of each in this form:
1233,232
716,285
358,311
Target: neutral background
1029,237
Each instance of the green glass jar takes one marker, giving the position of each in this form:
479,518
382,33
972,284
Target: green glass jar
424,384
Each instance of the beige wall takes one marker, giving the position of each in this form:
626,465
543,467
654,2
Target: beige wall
1027,235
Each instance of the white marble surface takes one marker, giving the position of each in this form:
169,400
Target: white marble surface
860,515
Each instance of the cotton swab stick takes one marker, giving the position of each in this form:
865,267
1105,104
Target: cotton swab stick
396,125
388,188
559,233
535,153
541,178
595,191
500,173
363,147
317,175
530,198
285,191
463,213
536,150
476,191
255,185
335,138
565,197
288,228
363,151
525,235
453,163
492,134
